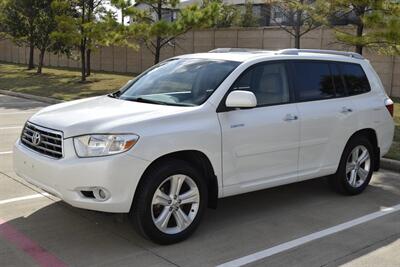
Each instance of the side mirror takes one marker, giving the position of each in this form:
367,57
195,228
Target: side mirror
241,99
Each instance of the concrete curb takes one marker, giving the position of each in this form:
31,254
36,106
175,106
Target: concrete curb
390,164
31,97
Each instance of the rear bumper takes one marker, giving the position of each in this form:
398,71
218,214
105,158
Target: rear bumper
67,177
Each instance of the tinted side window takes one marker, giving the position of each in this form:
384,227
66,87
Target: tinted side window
268,82
338,80
355,78
313,81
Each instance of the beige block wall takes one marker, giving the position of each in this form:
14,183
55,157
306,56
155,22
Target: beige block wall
95,59
250,38
107,59
119,55
184,44
133,62
226,38
203,41
122,59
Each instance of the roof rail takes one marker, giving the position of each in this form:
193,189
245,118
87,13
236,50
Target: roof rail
227,50
295,51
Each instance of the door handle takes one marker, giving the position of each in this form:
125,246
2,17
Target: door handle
290,117
346,110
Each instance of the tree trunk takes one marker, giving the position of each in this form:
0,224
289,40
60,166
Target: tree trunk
83,43
31,54
297,41
41,59
88,41
88,67
83,61
158,40
157,50
297,29
360,30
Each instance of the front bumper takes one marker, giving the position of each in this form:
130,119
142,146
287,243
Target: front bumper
65,178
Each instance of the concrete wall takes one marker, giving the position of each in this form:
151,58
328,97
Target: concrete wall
122,59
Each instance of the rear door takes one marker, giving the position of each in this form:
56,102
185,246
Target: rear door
327,116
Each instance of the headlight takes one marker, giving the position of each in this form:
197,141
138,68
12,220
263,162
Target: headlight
97,145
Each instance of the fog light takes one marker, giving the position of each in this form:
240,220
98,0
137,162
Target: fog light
95,193
102,194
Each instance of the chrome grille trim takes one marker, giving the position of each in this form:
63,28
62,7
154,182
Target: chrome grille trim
50,145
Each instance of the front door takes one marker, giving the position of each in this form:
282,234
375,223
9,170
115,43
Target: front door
261,145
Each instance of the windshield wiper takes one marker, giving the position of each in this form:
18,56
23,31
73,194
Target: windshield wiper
115,94
152,101
146,100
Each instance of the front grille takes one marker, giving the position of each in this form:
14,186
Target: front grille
45,141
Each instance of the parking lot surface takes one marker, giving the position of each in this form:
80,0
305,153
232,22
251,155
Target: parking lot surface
282,225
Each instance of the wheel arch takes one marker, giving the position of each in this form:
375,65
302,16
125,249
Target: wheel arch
372,137
200,161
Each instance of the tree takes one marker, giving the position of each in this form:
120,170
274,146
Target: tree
19,22
248,18
124,6
359,12
298,17
154,32
383,26
45,24
79,25
2,26
227,15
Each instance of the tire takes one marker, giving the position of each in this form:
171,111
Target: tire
353,176
155,202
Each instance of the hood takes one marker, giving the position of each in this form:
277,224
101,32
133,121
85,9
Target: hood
99,115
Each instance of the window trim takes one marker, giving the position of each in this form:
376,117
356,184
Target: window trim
223,108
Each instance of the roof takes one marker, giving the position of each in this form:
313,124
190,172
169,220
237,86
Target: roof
242,54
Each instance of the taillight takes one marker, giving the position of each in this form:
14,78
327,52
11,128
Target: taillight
389,105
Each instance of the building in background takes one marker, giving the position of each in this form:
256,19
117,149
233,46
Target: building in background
267,14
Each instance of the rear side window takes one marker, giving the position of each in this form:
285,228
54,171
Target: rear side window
355,78
313,80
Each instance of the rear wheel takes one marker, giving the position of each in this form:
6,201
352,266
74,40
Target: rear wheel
170,203
355,168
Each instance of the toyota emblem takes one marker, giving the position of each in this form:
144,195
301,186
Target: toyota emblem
36,138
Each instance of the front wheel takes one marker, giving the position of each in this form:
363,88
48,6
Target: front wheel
170,203
355,168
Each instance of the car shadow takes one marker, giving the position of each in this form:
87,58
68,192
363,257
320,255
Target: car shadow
241,225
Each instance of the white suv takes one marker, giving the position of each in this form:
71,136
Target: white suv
200,127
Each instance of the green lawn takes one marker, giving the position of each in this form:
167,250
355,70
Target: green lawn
65,85
58,83
394,152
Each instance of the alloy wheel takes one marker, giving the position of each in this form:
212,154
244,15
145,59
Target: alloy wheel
358,166
175,204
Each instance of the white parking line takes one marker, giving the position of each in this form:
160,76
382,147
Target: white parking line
20,102
10,127
6,152
308,238
5,201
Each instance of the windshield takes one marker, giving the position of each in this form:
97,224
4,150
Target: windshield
180,82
